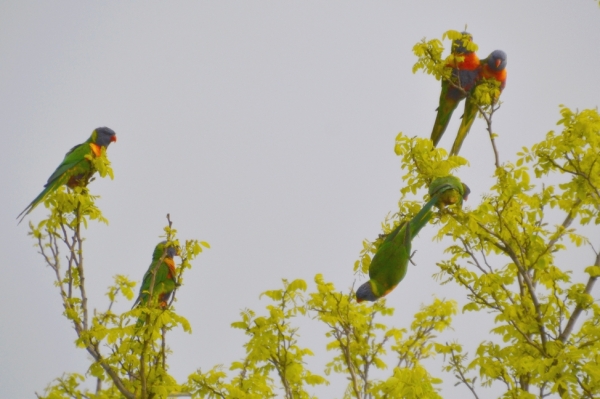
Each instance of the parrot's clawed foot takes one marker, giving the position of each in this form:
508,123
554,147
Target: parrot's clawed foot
410,257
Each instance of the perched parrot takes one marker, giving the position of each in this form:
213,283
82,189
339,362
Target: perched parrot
390,263
451,191
493,67
164,281
464,75
75,169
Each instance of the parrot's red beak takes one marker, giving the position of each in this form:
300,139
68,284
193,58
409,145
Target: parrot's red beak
113,138
498,62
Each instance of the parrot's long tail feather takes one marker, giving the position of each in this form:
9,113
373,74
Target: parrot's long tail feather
467,121
444,113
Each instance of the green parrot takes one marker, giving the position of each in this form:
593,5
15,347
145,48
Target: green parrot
164,281
390,263
75,169
464,74
492,68
451,191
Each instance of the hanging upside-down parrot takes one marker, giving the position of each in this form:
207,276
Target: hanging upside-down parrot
163,276
492,68
451,190
464,75
75,169
390,263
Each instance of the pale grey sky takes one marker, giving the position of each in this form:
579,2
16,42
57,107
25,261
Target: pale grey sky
265,128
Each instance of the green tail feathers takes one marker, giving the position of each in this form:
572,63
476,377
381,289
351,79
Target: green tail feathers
465,125
51,187
421,218
425,214
444,113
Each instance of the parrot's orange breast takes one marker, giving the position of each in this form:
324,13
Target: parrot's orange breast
500,76
96,149
171,264
470,62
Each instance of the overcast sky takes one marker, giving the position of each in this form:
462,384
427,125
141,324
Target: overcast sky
265,128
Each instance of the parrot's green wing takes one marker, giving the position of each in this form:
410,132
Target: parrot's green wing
162,272
390,263
73,164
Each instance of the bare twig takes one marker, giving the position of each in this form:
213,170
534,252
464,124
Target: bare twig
461,376
80,267
143,370
578,309
488,121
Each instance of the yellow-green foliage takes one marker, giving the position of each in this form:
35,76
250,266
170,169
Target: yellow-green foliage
274,363
272,350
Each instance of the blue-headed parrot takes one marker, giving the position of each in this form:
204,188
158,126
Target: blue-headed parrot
75,169
165,280
493,67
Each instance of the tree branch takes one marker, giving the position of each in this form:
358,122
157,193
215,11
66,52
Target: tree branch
80,268
488,121
578,309
458,367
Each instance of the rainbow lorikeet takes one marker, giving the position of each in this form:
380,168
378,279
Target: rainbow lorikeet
162,275
451,190
493,67
75,169
390,263
462,80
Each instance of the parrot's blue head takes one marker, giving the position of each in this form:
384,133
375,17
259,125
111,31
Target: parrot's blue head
459,45
171,252
497,60
105,136
160,248
365,293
